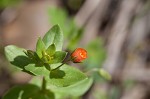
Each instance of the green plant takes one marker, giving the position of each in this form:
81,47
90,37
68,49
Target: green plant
49,61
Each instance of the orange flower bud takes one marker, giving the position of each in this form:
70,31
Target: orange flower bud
79,55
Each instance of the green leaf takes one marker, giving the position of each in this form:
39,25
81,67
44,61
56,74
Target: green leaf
74,90
65,76
46,94
29,53
54,36
37,70
33,56
59,56
104,74
16,56
51,50
28,91
62,77
40,47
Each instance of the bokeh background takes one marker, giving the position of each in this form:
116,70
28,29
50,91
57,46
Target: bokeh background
116,34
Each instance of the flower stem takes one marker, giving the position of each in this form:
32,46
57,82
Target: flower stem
62,64
43,84
58,66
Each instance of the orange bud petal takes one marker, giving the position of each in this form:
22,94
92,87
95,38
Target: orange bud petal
79,55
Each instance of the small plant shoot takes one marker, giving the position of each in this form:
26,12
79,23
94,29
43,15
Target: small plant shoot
49,62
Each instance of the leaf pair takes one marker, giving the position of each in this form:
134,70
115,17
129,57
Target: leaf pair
41,49
49,48
49,55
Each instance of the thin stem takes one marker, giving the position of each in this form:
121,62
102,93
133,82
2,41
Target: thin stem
58,66
62,64
44,84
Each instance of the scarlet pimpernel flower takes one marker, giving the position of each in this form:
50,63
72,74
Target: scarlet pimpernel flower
79,55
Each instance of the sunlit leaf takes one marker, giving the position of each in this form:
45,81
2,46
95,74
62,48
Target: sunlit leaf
65,76
51,49
54,36
74,90
40,47
59,56
62,77
16,56
38,70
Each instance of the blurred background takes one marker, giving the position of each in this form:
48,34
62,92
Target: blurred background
116,34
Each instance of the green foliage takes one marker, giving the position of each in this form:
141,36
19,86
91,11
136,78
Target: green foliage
59,56
54,36
74,90
47,61
64,76
40,47
40,62
51,49
42,55
16,56
28,91
73,34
